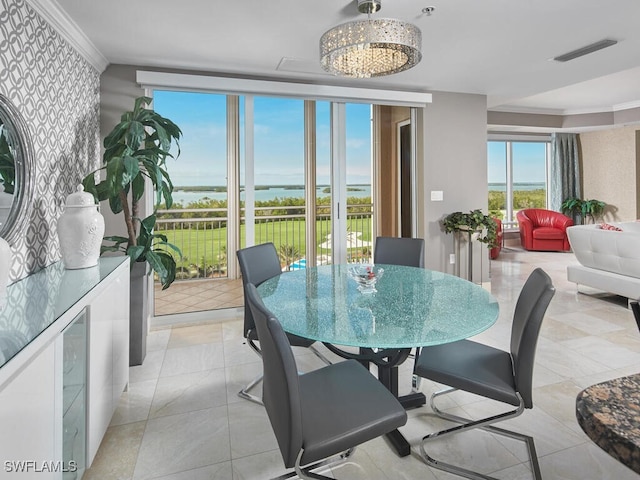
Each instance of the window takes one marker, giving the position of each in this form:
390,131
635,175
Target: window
517,177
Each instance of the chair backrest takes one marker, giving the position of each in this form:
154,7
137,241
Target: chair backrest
531,306
257,264
541,217
399,251
280,387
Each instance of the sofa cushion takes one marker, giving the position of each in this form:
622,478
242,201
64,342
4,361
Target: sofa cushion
608,226
546,233
611,251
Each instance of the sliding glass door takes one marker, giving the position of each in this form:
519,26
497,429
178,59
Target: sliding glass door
256,169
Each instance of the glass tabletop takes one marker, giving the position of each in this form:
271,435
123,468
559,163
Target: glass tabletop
412,307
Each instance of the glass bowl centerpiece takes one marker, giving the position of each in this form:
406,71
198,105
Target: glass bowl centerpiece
366,276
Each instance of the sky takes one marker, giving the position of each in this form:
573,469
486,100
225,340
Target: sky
528,162
278,144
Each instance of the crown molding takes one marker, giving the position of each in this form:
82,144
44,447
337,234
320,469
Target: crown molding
62,23
526,110
626,106
565,112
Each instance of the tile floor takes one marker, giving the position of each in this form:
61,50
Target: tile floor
181,418
198,295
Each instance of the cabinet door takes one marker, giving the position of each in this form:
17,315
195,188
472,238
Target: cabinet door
74,348
119,315
108,357
28,420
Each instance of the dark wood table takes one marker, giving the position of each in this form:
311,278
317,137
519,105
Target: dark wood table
609,413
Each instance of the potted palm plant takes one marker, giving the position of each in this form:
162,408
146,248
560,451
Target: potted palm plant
135,155
581,210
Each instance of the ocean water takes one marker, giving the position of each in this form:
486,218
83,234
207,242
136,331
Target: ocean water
180,196
502,187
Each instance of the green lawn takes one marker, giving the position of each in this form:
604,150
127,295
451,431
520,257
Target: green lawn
207,248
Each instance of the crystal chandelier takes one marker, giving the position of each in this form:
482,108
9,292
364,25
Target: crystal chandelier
370,48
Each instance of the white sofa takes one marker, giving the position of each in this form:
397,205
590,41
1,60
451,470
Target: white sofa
609,260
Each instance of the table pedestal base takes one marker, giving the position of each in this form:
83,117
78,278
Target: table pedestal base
387,362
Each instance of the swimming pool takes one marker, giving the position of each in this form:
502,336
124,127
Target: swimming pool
298,264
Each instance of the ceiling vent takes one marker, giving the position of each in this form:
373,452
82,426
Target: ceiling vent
594,47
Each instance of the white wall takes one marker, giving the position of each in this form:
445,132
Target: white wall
118,91
455,162
610,171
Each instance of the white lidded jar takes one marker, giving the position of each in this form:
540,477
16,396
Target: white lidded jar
80,230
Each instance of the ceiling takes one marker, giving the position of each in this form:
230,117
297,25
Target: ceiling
500,48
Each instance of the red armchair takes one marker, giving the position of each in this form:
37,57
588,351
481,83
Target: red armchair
544,230
495,251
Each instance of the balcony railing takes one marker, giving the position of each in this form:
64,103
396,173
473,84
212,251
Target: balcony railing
201,235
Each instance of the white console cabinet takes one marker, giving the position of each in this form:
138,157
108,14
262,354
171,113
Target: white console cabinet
64,363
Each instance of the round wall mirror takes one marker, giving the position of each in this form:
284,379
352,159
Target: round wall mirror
16,170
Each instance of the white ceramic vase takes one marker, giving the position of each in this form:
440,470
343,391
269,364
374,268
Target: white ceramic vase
80,231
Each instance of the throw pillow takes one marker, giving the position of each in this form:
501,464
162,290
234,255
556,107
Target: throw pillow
607,226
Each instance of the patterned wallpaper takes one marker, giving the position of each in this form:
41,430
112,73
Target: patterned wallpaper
58,93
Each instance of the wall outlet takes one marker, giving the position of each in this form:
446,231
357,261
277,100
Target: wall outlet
452,258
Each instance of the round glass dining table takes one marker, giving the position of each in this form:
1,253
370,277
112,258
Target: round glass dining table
411,307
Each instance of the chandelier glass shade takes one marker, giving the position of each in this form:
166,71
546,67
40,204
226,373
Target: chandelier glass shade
370,48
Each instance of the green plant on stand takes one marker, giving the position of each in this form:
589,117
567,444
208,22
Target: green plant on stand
475,224
475,221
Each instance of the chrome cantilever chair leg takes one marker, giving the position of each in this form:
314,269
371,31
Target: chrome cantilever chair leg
485,424
306,473
244,393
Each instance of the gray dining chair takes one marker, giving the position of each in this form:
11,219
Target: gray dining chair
258,264
408,252
326,412
399,251
490,372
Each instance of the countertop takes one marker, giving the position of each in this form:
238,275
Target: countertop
609,413
36,302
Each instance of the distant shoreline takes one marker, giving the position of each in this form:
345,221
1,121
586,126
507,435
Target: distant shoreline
223,188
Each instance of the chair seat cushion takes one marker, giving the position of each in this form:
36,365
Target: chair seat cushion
472,367
355,408
294,340
548,233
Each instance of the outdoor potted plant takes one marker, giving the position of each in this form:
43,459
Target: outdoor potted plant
483,226
135,152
